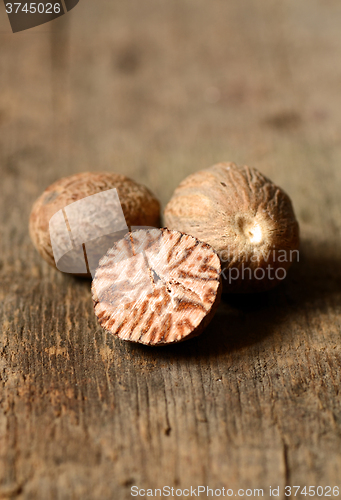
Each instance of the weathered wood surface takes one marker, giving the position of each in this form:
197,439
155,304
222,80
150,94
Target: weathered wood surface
155,90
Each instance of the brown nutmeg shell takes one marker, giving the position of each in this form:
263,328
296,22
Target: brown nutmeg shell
140,207
245,217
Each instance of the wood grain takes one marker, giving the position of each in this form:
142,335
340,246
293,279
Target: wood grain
156,90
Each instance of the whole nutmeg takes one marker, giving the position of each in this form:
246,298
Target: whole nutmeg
157,287
73,224
246,218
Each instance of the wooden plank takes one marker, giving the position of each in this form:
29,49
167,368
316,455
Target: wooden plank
156,90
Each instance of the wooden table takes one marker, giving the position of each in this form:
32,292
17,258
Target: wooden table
156,90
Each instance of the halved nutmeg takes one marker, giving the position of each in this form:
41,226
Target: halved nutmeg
157,287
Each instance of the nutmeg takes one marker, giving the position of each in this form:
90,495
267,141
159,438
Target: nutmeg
245,217
157,287
135,205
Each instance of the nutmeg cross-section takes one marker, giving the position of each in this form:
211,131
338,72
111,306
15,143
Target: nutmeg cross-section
157,287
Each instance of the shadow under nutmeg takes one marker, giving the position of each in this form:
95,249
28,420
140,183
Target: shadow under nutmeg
240,320
312,284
